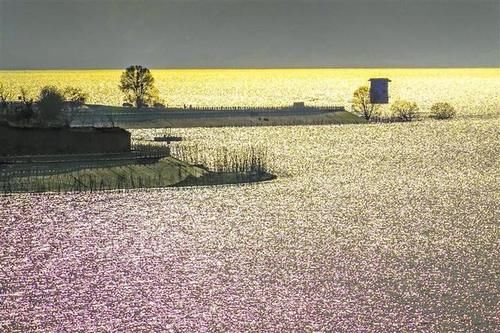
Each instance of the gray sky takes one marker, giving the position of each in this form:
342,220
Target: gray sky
249,33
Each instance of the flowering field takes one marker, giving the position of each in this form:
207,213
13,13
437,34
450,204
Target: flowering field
368,228
471,91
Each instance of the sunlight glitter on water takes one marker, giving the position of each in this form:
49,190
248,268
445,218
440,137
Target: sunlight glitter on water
471,91
368,228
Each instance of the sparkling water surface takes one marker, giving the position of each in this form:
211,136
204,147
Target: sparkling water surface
473,91
368,228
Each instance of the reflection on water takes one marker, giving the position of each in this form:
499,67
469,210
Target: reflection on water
472,91
368,228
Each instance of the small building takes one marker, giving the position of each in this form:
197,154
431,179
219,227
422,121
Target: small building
64,140
299,105
379,90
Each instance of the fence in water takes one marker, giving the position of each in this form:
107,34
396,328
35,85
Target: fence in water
45,165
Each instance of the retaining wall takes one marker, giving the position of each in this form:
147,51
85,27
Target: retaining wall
41,141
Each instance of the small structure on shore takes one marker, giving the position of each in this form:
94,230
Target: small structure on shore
379,90
167,138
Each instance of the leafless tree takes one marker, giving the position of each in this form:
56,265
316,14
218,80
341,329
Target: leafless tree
5,96
361,102
137,83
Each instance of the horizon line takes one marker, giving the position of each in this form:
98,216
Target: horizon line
245,68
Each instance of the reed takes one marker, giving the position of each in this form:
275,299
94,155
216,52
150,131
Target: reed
224,166
81,183
223,160
150,151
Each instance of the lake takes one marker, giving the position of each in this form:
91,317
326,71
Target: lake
471,90
379,227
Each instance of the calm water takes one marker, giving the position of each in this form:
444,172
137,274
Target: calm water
369,228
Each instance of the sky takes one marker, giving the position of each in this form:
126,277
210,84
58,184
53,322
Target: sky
37,34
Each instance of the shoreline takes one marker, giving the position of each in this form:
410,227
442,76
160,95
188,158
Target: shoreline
189,117
166,172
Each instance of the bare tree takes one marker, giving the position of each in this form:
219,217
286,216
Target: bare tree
74,99
27,101
5,96
137,83
27,110
361,102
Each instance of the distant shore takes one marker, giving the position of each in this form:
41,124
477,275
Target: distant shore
129,117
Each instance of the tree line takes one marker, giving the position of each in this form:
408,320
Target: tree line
138,86
50,104
400,110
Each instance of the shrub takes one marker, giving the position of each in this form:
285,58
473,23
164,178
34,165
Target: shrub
23,113
75,97
50,103
404,110
442,111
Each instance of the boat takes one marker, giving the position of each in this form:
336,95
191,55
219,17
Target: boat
167,138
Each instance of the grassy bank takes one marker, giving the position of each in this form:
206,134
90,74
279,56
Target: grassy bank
165,172
334,118
187,118
217,178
